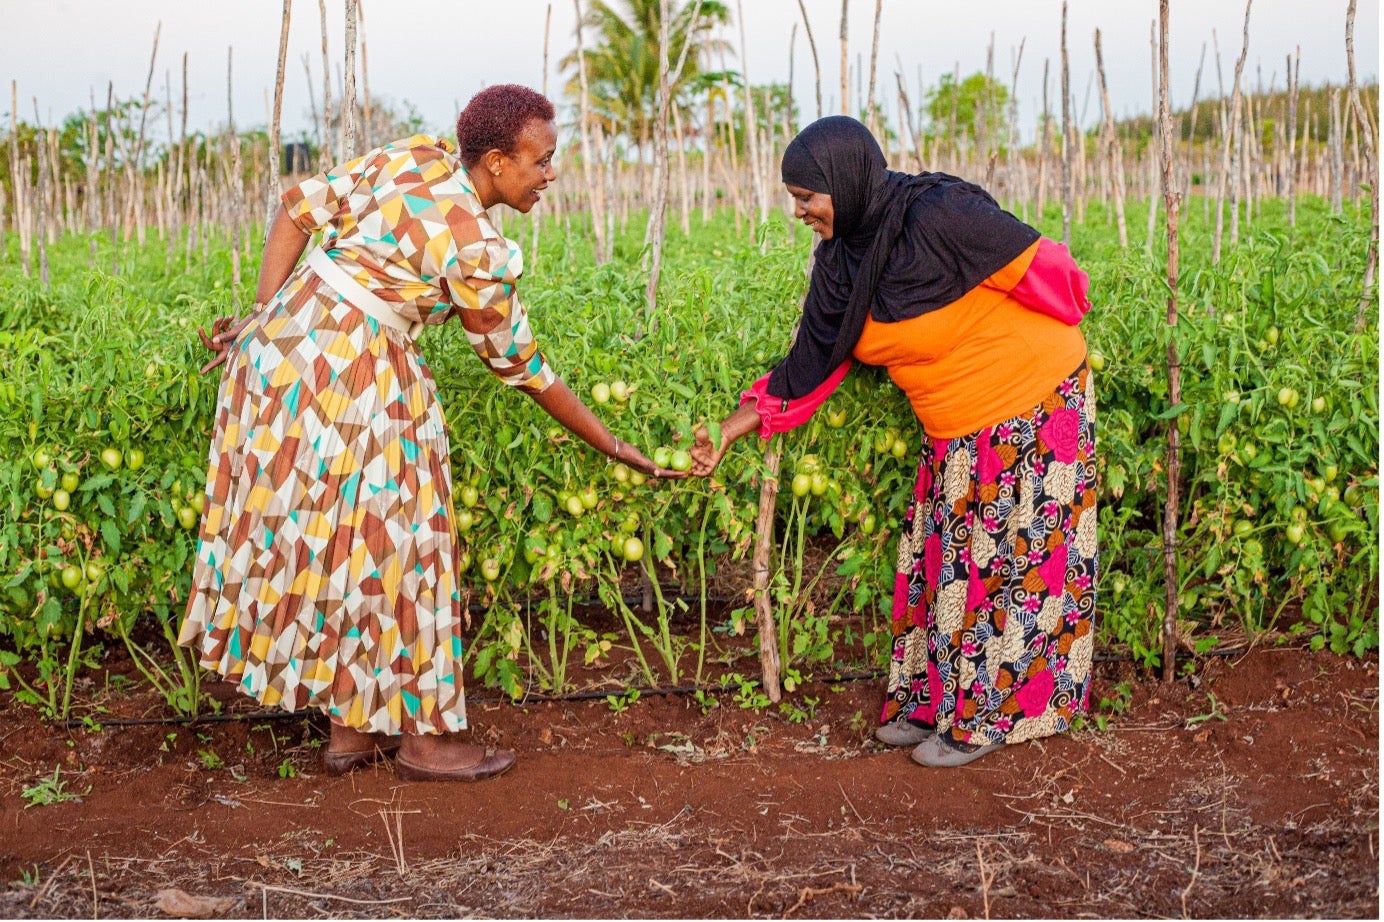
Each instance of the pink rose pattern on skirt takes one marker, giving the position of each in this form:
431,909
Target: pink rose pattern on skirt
995,597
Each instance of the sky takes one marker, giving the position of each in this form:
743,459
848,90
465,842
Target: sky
435,55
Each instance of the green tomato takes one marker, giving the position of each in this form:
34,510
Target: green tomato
490,569
199,502
681,460
1285,394
42,491
899,449
134,459
1249,451
111,457
638,478
836,418
1294,533
1318,404
621,472
630,525
867,524
1226,443
187,517
62,500
71,576
1353,495
1330,472
1232,396
817,483
600,392
1095,360
1337,530
574,506
620,390
663,456
588,497
1271,334
470,495
42,458
801,484
94,572
632,549
466,520
464,562
1242,528
1252,548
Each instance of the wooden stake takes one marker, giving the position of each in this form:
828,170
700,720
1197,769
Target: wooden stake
324,154
272,186
1229,155
874,57
1172,204
1112,148
763,553
1366,134
816,65
348,102
845,64
1066,137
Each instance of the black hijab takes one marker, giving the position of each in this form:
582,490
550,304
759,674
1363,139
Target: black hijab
902,245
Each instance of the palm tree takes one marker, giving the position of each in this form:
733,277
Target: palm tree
622,63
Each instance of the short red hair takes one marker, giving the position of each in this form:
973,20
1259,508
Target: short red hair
494,118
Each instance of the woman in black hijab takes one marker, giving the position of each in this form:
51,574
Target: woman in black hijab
974,315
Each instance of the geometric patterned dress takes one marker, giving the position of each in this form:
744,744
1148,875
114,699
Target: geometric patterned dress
995,587
326,573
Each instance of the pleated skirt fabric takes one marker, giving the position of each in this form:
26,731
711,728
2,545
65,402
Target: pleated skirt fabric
326,573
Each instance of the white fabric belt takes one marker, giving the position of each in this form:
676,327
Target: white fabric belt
357,295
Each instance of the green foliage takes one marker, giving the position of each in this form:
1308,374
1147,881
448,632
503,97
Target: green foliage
1279,495
977,106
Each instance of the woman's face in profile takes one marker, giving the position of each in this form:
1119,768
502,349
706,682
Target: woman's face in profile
813,209
530,168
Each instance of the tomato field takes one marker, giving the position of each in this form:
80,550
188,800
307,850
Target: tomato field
104,427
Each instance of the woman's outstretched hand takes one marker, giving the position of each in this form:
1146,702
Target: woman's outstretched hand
224,331
705,455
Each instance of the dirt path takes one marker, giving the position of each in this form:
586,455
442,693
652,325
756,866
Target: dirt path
1249,791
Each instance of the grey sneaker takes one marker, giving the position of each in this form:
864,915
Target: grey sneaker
902,733
938,753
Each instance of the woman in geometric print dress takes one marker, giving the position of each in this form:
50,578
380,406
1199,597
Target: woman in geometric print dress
974,315
327,572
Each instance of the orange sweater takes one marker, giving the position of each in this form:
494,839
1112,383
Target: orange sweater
980,360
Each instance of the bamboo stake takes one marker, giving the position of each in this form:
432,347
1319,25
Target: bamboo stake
763,550
1112,148
751,128
816,65
1172,204
1228,162
1366,134
272,186
1067,191
348,101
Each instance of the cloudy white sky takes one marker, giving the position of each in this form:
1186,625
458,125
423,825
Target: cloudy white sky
436,54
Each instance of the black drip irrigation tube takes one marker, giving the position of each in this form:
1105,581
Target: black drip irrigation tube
587,695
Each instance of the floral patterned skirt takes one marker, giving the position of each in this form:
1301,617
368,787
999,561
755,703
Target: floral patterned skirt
995,590
327,562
